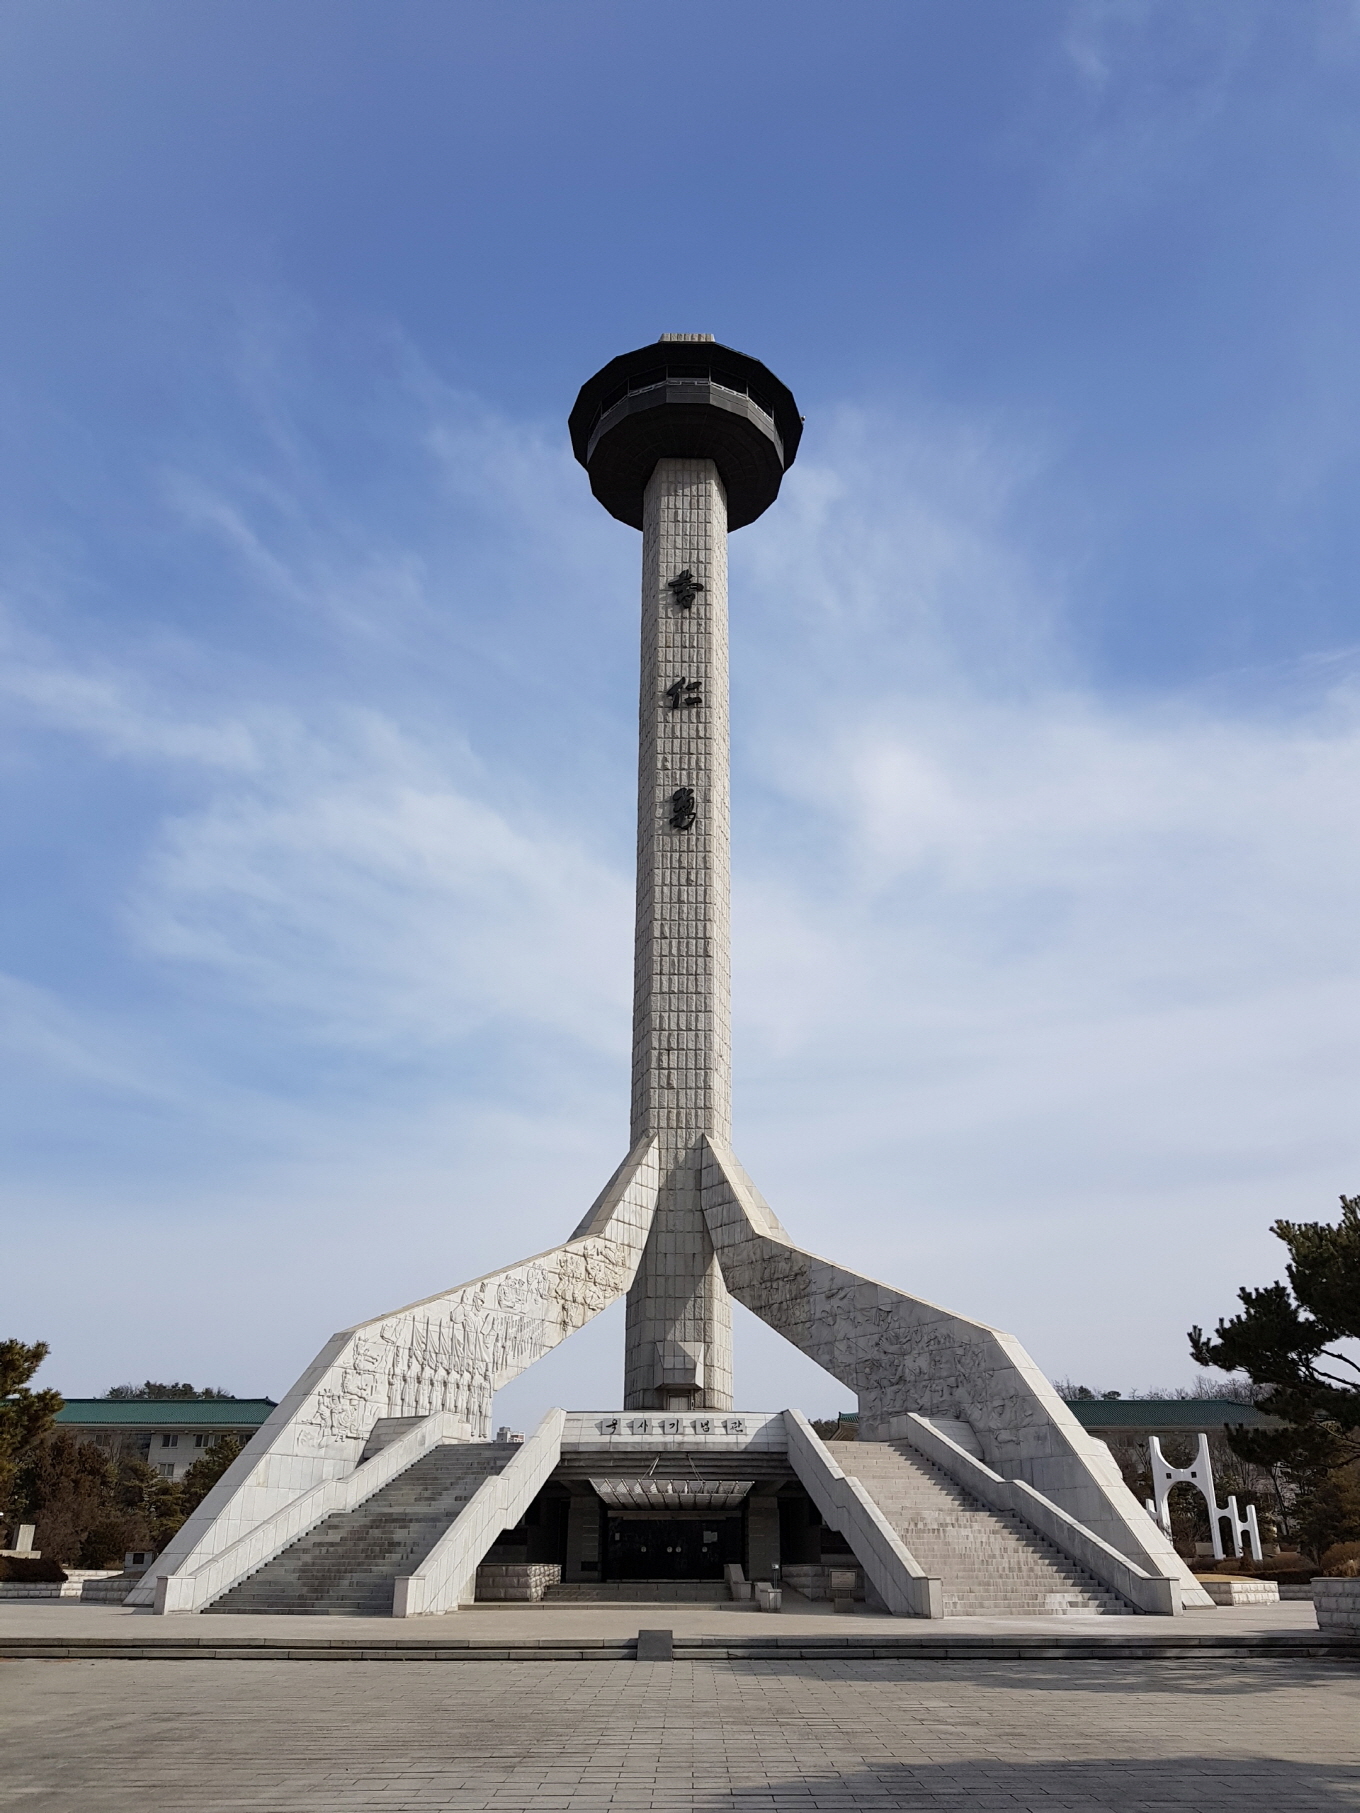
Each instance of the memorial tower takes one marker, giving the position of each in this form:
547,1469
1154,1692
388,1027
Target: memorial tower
685,440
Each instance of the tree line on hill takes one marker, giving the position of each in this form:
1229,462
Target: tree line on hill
166,1393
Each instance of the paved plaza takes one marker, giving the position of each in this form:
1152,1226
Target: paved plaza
1044,1732
102,1737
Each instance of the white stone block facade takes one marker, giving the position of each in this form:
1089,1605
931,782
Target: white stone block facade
1337,1603
679,1339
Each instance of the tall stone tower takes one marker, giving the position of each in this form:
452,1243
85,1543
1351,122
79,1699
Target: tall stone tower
685,440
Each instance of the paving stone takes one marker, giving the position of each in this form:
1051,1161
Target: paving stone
708,1738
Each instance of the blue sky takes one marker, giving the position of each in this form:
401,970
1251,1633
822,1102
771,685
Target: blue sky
317,676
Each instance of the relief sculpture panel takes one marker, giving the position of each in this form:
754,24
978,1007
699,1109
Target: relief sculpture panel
898,1353
902,1355
452,1352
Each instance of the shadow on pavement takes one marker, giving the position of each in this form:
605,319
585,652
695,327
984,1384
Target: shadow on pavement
1208,1784
1180,1677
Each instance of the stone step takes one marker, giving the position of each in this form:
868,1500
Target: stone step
347,1565
637,1592
990,1563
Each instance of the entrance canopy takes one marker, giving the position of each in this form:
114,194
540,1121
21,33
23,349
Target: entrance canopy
671,1497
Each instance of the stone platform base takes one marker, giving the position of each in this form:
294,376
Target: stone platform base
950,1646
638,1592
521,1633
1337,1604
524,1582
1229,1589
90,1586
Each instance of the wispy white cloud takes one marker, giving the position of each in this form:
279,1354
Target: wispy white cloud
364,886
1056,859
1128,107
40,1032
906,542
1057,984
122,714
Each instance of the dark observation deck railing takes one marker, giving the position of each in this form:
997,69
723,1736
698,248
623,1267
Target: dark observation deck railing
674,372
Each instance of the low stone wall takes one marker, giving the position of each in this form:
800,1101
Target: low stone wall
110,1591
516,1579
814,1582
1337,1603
87,1586
1228,1589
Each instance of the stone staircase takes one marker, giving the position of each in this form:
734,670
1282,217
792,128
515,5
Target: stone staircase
346,1566
991,1563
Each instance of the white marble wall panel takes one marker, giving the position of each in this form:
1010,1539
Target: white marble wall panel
900,1354
446,1354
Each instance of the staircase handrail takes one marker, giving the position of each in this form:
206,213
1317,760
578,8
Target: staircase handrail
900,1580
191,1592
448,1574
1152,1593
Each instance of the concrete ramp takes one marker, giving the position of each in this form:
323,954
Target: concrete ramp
372,1388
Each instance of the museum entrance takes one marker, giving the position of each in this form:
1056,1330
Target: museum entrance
670,1548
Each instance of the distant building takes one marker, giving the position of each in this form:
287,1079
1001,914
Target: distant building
1124,1419
170,1433
1134,1419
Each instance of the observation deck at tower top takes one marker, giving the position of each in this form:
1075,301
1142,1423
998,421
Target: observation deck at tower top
685,397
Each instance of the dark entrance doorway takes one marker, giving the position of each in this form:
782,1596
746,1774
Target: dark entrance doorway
677,1548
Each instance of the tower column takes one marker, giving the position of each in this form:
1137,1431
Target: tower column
686,440
679,1339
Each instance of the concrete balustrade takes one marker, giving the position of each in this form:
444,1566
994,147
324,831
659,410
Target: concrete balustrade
1147,1592
896,1575
447,1577
190,1592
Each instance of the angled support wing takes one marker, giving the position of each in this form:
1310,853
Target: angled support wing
445,1356
904,1357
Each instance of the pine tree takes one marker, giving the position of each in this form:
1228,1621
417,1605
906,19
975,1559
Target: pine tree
1287,1339
25,1416
68,1488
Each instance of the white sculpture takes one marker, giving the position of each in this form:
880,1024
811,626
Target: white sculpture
1200,1475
